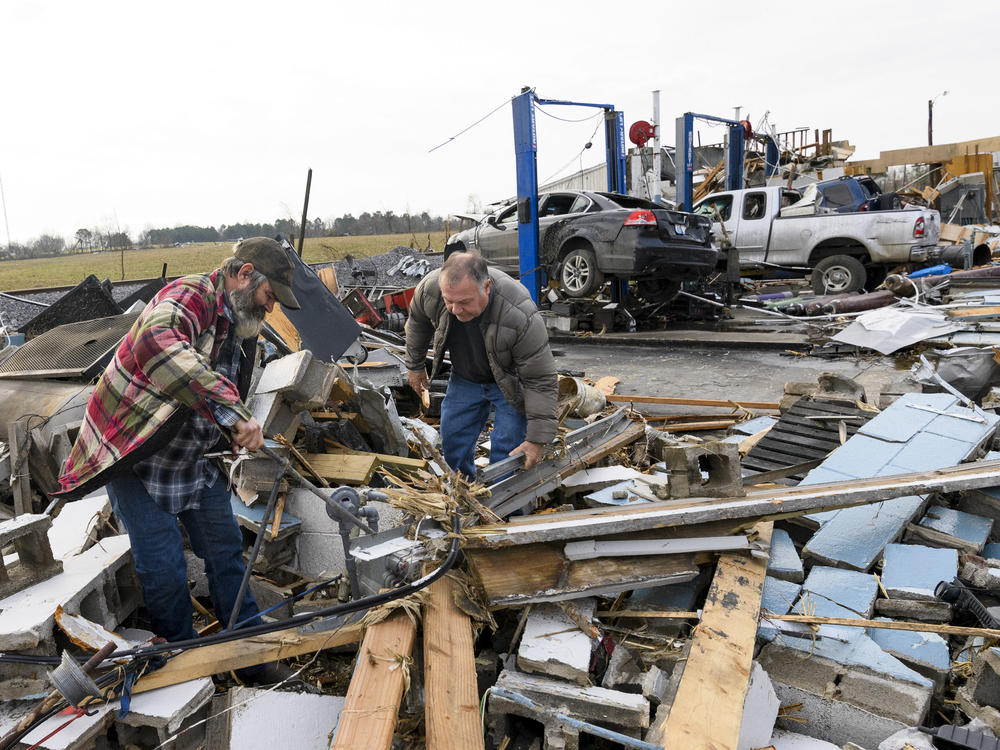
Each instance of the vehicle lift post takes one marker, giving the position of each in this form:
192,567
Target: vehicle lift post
526,151
734,155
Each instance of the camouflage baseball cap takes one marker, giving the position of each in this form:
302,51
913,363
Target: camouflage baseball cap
271,259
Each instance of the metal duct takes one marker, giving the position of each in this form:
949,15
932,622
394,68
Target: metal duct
74,350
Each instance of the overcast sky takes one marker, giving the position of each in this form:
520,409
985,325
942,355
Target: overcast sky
153,115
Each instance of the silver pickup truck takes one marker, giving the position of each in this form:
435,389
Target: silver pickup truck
776,226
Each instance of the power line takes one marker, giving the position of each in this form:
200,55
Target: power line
470,127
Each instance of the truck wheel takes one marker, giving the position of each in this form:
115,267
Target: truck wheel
838,274
578,273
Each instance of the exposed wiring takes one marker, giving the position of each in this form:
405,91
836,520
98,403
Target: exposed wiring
566,119
577,155
470,127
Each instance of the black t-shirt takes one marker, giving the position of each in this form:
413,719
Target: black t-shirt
468,350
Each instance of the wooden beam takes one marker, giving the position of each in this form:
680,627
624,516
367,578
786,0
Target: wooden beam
20,482
719,424
248,652
937,154
384,459
368,719
451,693
618,398
763,504
516,576
337,468
917,627
717,672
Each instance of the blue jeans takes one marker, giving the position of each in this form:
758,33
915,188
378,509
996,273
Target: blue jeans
464,412
158,552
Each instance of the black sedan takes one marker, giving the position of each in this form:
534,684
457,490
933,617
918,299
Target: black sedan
587,237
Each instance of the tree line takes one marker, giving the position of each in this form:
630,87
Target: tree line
97,240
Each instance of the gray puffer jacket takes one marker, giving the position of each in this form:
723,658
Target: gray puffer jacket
517,347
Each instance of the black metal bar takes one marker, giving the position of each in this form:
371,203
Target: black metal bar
305,210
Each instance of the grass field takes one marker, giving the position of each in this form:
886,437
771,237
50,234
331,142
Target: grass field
145,264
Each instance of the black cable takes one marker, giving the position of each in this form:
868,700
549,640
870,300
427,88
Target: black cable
465,130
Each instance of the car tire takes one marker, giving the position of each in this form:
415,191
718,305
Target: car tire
578,273
838,274
889,202
455,247
657,290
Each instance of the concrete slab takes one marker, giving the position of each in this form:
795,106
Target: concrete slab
79,734
779,595
785,562
273,719
855,537
912,571
966,527
926,653
900,422
553,645
832,592
100,584
76,522
760,709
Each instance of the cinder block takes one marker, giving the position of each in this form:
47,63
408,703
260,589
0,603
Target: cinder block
893,699
274,415
99,584
984,685
926,653
29,535
170,717
273,719
720,461
906,609
624,672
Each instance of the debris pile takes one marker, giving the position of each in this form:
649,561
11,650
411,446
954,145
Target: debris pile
819,570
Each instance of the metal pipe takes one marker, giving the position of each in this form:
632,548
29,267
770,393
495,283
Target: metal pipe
272,501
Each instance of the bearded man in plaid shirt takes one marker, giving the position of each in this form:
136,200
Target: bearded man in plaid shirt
177,383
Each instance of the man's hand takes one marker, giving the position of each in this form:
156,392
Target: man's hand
418,380
248,434
532,453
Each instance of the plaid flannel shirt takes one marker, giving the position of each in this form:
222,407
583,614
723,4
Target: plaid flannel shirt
166,361
175,476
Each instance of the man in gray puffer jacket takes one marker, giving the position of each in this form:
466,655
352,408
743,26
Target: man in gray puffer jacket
499,354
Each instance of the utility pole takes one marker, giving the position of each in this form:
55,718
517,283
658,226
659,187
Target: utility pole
930,118
305,211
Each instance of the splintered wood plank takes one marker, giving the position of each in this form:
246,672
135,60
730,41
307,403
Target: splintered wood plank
248,652
451,694
284,328
328,276
718,668
368,719
385,459
344,468
541,572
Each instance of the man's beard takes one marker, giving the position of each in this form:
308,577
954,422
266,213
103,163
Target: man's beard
248,316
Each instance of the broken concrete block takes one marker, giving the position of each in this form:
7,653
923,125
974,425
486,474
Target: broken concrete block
760,710
100,584
908,739
385,431
624,672
81,734
303,381
785,562
842,704
912,571
554,645
29,535
655,684
623,711
76,527
248,718
779,596
986,714
157,716
946,527
720,461
275,416
984,685
926,653
833,386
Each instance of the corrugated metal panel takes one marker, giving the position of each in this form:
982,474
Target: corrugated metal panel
71,350
593,178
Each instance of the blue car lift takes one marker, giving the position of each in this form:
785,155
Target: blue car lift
526,150
734,155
